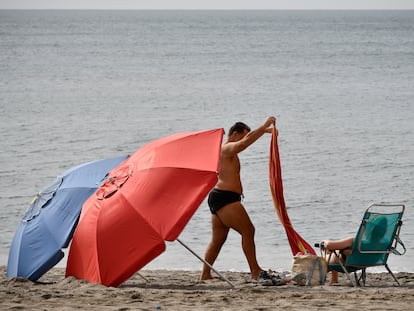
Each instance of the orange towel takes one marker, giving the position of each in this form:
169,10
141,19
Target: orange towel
297,243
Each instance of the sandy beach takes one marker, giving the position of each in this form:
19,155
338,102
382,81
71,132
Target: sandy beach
181,290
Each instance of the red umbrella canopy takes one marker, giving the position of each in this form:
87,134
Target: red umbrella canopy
146,200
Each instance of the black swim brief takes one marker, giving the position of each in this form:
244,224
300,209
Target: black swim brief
219,198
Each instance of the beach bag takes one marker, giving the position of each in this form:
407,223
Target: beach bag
309,270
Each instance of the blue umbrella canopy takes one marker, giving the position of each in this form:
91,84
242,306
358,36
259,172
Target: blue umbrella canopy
51,219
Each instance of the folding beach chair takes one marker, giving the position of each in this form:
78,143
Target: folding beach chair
377,237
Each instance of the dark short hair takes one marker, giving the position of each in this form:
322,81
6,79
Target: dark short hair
239,127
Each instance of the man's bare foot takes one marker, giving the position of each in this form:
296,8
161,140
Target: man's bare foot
255,274
204,277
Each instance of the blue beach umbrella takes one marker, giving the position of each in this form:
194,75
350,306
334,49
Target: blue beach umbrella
50,220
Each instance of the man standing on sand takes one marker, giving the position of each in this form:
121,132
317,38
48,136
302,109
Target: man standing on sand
225,199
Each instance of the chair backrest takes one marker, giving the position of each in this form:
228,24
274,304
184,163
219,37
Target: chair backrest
377,235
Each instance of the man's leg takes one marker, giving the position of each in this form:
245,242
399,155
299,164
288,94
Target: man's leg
235,216
219,236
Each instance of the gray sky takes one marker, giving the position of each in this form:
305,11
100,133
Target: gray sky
207,4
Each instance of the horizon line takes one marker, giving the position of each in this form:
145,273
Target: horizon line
214,9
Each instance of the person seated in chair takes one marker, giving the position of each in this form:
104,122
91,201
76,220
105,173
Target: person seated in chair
374,235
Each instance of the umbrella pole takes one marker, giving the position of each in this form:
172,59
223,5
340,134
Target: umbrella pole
211,267
143,277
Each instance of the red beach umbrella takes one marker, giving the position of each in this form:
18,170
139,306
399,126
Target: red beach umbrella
145,201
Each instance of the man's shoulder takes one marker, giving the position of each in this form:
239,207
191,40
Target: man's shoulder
229,149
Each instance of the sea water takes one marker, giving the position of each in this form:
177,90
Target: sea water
77,86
